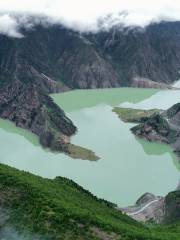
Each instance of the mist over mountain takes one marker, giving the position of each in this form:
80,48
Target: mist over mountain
85,16
91,60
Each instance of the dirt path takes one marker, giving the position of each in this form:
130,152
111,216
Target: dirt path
143,208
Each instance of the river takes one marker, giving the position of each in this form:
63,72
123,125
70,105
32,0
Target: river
128,167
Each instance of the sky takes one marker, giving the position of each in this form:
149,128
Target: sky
86,15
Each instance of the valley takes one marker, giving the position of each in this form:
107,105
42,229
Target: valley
76,111
117,164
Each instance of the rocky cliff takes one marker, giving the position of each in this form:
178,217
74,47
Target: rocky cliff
152,53
155,209
29,108
111,58
162,127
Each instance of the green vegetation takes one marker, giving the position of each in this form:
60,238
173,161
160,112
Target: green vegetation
134,115
61,209
171,112
173,207
75,151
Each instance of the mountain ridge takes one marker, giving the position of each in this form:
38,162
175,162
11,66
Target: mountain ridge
53,59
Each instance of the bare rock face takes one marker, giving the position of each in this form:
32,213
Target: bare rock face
151,53
151,208
59,58
147,83
47,84
156,128
85,68
29,108
148,208
56,59
145,198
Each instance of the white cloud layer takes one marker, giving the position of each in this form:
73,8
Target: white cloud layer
84,15
9,26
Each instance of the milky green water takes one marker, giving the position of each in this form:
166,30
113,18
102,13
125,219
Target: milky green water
128,166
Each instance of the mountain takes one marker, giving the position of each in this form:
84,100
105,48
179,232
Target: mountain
54,59
42,209
152,53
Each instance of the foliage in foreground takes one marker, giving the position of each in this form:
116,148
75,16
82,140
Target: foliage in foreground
61,209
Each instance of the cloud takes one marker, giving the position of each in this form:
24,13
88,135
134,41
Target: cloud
9,26
85,15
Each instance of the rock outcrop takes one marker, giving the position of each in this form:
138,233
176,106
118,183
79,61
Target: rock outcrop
29,108
162,127
172,207
148,209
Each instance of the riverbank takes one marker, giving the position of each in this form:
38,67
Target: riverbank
134,115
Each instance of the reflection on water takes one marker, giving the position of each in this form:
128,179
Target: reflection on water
177,84
76,100
154,148
161,100
11,128
128,167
